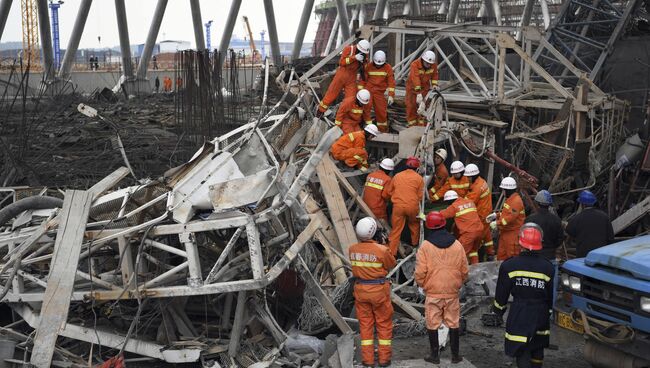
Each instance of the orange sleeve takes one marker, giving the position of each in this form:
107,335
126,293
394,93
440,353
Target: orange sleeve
342,112
421,266
391,81
420,187
414,78
388,190
474,193
509,215
347,57
462,259
449,212
440,193
389,260
384,192
366,113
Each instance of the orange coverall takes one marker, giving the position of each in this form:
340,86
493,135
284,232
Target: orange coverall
480,194
420,80
371,262
405,191
351,148
346,78
440,177
460,186
509,221
350,114
378,81
373,193
468,226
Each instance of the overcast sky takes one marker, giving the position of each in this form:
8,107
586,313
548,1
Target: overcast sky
176,25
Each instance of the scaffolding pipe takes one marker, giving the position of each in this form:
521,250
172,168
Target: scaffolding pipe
344,22
46,40
125,45
227,30
5,7
379,9
273,32
75,37
198,25
302,28
158,14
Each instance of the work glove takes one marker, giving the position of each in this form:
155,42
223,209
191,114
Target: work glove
422,108
419,99
359,57
491,217
493,225
422,216
390,100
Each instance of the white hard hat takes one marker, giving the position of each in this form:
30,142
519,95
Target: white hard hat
457,167
429,56
363,96
379,58
508,183
471,170
366,228
450,195
387,164
442,153
372,129
363,46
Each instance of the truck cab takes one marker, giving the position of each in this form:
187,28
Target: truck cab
606,297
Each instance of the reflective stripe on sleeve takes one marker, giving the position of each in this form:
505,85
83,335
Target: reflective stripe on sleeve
351,136
460,186
488,244
504,222
373,185
323,105
499,306
337,122
516,338
357,111
505,205
417,88
465,211
347,60
367,264
534,275
473,254
368,122
485,194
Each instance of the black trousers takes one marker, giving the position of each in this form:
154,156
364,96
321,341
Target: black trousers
529,358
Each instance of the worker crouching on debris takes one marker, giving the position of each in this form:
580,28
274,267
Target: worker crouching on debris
379,80
353,111
351,147
440,174
479,193
348,75
405,192
457,182
509,220
591,228
440,269
371,262
423,76
469,227
529,278
374,191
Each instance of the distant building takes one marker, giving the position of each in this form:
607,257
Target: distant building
173,46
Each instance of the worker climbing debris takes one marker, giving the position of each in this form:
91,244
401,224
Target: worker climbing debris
509,220
479,192
380,81
423,76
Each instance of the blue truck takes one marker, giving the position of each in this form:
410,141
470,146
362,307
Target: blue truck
606,297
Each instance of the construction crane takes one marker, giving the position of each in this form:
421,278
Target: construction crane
208,38
247,29
31,48
54,8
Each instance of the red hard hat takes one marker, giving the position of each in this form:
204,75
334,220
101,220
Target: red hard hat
435,220
412,162
530,236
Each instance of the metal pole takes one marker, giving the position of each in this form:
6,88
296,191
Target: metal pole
75,37
273,32
453,11
46,39
379,9
198,25
302,28
5,7
344,22
415,7
125,45
151,38
227,30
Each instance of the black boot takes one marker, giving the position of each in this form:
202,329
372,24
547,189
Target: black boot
435,345
454,334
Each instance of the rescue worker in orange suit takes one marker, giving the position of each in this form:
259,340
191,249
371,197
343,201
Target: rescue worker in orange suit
353,111
441,174
529,278
379,80
456,182
374,191
479,193
351,148
440,270
469,227
405,192
371,262
423,76
348,75
509,220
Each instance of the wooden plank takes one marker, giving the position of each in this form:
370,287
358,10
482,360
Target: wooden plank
60,283
632,215
108,182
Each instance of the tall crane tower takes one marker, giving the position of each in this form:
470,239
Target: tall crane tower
31,49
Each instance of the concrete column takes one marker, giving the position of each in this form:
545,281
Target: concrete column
444,4
73,44
528,13
227,30
453,11
125,44
5,7
273,32
488,9
415,7
344,21
46,39
406,10
302,28
151,38
497,11
198,25
362,15
379,9
333,34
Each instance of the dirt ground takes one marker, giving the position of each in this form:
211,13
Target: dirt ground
483,352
